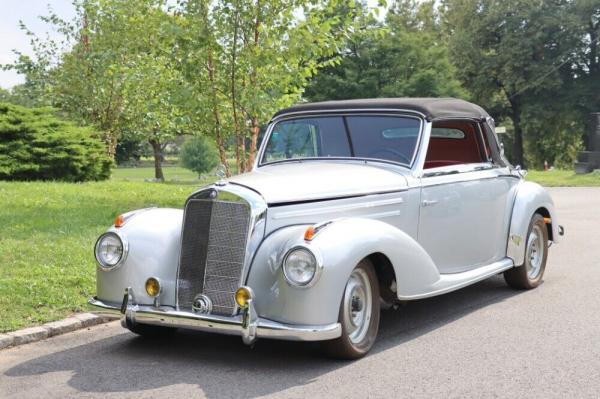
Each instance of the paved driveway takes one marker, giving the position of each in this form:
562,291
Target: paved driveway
482,341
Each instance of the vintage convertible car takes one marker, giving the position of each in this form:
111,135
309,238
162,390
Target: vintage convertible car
350,205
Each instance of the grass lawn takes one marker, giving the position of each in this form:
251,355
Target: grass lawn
47,234
48,230
564,178
173,174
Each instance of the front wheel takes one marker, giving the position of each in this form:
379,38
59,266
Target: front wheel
359,314
530,274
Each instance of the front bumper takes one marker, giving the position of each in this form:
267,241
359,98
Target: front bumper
247,325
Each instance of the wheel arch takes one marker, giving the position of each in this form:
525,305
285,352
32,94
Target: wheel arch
386,275
342,244
544,212
531,198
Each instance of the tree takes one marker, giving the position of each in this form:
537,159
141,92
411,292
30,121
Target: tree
119,74
245,59
4,95
404,57
585,67
36,145
198,154
512,55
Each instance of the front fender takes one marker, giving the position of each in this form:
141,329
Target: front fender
529,198
154,239
341,245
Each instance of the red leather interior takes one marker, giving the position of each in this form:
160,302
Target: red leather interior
440,163
450,151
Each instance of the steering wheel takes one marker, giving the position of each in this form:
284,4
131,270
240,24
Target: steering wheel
397,154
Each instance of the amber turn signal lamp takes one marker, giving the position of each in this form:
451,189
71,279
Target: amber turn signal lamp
152,287
242,296
547,220
119,221
309,233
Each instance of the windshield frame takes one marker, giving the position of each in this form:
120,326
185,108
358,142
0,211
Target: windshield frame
342,113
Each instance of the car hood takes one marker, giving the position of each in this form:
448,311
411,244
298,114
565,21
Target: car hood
315,180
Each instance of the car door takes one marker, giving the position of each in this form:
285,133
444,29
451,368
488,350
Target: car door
466,199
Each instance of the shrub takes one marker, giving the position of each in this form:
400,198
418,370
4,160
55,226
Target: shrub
198,154
36,145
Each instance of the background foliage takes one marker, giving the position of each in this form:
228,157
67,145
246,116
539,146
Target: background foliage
36,145
198,154
151,70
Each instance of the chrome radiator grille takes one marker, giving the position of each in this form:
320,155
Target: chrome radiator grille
213,249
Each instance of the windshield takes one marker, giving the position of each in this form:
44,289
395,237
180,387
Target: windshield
390,138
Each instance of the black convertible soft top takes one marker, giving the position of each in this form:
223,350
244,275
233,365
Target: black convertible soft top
432,108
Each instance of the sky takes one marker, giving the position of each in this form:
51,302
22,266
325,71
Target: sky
11,37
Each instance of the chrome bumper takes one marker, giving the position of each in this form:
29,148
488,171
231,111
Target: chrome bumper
247,325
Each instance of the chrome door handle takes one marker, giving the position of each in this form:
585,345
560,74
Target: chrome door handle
429,202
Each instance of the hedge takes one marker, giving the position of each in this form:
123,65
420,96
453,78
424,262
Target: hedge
37,145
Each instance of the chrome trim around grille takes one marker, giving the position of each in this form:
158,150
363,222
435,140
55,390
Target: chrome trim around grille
223,265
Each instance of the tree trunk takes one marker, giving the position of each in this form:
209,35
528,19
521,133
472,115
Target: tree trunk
518,158
239,137
156,148
216,115
594,63
253,142
255,128
111,144
223,155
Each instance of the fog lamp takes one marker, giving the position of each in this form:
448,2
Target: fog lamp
152,287
242,296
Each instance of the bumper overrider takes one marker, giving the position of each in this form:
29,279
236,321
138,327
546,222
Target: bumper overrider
247,325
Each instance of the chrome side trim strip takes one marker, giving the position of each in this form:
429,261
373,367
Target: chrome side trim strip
340,208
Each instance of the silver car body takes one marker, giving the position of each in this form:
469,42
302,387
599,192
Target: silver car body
437,231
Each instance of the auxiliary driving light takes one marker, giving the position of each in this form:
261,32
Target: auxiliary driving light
242,296
152,287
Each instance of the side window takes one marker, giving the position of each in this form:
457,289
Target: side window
454,143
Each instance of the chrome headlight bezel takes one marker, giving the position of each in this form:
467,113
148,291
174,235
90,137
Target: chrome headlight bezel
318,268
124,251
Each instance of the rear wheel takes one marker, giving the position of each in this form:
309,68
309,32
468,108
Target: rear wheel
358,315
530,274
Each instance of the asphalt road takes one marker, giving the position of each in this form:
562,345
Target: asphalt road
483,341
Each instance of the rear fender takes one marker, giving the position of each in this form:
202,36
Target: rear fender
530,198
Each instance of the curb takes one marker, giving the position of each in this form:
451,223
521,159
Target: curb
34,334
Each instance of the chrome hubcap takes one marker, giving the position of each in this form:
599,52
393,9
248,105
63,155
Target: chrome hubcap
535,252
358,302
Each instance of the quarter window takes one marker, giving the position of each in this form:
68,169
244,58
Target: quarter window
454,143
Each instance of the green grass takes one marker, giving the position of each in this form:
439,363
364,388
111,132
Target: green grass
48,230
564,178
47,234
173,174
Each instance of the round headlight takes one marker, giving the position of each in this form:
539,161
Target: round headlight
300,266
109,250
